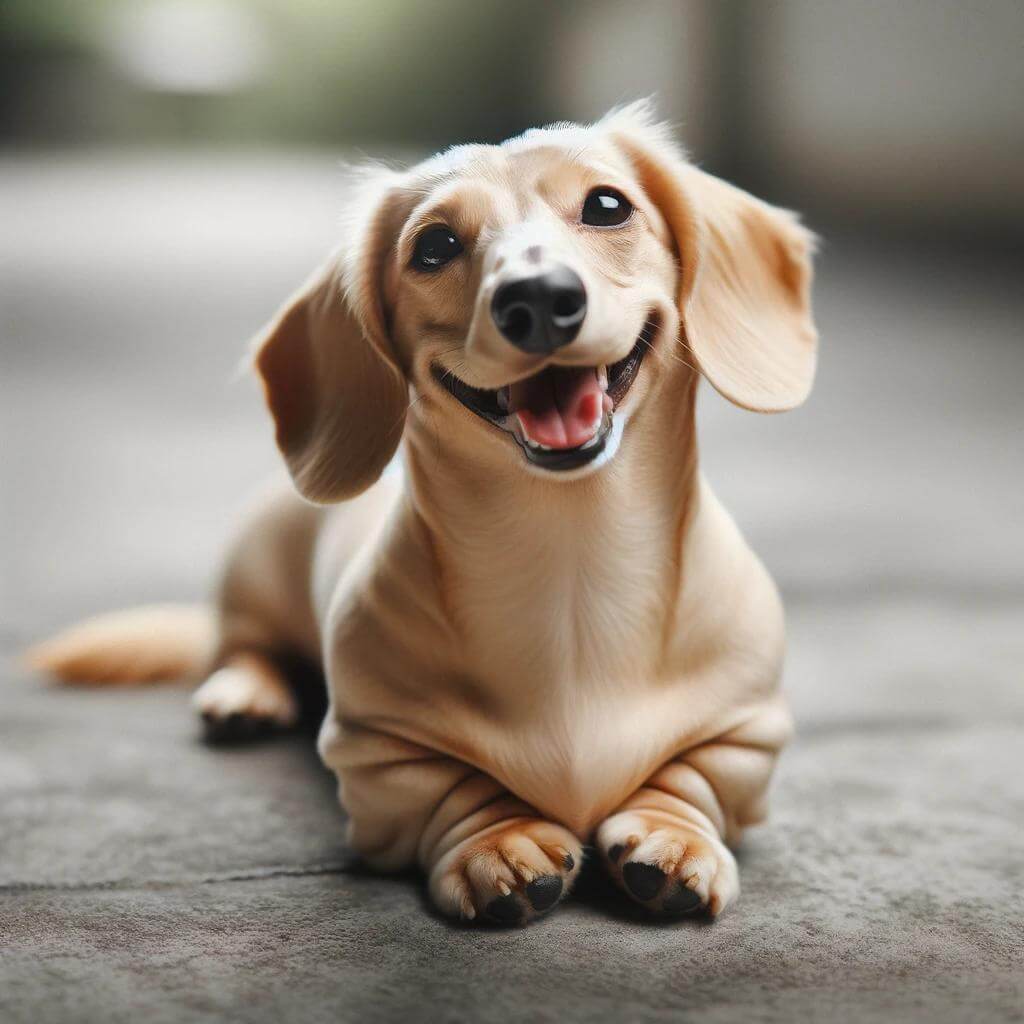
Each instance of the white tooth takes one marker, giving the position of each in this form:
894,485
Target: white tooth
597,434
602,377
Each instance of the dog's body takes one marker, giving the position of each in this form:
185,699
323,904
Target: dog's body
517,665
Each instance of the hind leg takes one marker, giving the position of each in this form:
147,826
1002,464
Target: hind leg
262,606
247,696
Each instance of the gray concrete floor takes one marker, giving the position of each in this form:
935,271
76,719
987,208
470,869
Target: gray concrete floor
143,875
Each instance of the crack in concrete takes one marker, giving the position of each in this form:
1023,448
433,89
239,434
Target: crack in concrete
254,875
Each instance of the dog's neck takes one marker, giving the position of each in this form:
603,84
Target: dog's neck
575,573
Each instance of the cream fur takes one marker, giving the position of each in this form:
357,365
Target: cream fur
520,663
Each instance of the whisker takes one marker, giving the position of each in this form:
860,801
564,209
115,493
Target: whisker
456,370
672,354
449,351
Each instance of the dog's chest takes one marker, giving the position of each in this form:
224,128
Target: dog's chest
565,638
562,611
577,764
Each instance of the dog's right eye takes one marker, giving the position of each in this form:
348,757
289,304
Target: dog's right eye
436,246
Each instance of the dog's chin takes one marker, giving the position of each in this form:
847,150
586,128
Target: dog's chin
565,421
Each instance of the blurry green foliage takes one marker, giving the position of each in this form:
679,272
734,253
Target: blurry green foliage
349,70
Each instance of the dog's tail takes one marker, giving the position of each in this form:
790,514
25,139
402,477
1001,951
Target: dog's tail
148,644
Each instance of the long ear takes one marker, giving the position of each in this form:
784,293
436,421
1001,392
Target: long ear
745,278
332,384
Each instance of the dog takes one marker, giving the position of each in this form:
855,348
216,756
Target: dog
543,630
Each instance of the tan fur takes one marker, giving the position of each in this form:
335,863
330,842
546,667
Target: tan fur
159,642
518,663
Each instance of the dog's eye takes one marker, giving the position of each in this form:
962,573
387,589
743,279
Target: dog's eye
604,207
435,247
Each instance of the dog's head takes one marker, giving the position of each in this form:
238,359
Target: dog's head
535,296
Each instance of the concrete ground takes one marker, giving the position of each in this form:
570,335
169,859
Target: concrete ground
145,876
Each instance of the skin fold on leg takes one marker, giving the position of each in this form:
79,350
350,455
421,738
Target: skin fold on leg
487,855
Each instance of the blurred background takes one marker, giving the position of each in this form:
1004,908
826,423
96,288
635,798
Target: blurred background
904,112
169,172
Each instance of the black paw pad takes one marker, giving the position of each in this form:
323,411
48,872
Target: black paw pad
615,853
543,892
233,728
644,881
681,901
505,910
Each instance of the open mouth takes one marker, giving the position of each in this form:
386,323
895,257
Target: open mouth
561,417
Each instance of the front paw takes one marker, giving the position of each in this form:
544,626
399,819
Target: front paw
507,874
244,701
668,865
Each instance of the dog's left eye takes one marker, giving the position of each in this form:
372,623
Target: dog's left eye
435,247
605,207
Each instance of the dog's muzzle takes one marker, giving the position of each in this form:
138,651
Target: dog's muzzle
561,417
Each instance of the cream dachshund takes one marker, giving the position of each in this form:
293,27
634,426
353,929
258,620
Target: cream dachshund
543,631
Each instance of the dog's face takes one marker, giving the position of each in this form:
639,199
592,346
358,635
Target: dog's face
534,296
526,288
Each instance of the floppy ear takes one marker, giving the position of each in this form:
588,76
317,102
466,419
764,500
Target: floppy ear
745,277
332,383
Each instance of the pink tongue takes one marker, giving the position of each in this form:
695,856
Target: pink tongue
560,407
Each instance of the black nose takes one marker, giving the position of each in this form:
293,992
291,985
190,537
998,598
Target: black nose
542,312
